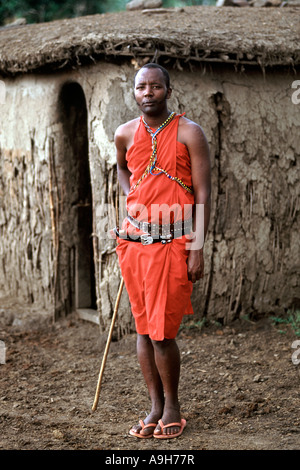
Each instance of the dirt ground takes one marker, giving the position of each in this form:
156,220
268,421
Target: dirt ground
239,388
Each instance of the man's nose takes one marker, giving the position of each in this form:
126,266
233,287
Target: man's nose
148,91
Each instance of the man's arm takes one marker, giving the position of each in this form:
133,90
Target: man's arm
201,177
121,149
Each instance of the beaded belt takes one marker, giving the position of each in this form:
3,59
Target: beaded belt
155,233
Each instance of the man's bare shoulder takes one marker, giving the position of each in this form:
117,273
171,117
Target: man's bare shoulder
189,129
125,130
188,124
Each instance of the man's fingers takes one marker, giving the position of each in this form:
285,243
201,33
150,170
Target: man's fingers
195,276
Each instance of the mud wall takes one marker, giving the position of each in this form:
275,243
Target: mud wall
26,258
252,249
252,125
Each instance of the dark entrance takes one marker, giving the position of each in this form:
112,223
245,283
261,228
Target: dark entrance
76,261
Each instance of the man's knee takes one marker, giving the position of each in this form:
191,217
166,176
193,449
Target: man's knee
143,339
162,345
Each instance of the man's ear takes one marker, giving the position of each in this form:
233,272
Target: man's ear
169,93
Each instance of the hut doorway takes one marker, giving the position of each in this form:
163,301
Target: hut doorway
76,289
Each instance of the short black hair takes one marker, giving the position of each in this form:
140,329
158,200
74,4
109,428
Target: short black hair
152,65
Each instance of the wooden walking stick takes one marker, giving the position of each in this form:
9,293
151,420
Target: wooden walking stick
96,399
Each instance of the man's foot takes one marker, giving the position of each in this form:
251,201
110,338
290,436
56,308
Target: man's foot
145,428
169,417
167,427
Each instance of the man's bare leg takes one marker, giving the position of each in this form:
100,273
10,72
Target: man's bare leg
167,359
145,354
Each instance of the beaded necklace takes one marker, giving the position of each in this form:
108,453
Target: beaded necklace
151,167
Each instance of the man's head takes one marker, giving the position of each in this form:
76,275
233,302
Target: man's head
158,67
152,89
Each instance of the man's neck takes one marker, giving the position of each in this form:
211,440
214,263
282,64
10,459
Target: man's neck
156,121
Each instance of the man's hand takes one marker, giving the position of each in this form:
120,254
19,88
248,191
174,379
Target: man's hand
195,265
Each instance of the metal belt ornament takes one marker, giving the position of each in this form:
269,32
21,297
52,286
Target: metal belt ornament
167,234
151,167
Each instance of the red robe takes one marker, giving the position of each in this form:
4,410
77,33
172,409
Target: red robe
155,275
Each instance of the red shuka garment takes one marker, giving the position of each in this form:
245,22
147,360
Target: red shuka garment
155,275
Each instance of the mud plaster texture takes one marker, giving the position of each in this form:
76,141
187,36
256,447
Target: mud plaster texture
239,388
251,250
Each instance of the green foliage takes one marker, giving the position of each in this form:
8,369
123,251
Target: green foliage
36,11
292,319
191,325
186,3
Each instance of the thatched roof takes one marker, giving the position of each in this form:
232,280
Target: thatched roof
250,35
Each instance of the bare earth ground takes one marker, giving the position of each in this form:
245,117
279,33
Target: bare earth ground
239,389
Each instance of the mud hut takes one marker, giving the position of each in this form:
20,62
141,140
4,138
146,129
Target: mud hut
68,85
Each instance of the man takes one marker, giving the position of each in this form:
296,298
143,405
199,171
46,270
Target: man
163,162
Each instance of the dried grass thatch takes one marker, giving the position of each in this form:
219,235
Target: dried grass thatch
263,36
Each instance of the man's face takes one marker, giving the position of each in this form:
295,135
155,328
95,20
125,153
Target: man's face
151,91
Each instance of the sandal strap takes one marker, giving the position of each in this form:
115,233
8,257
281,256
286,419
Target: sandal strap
149,425
163,426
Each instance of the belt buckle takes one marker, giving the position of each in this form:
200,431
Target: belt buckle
144,226
146,239
166,238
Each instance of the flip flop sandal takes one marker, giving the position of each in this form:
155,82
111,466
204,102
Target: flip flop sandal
163,426
143,426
